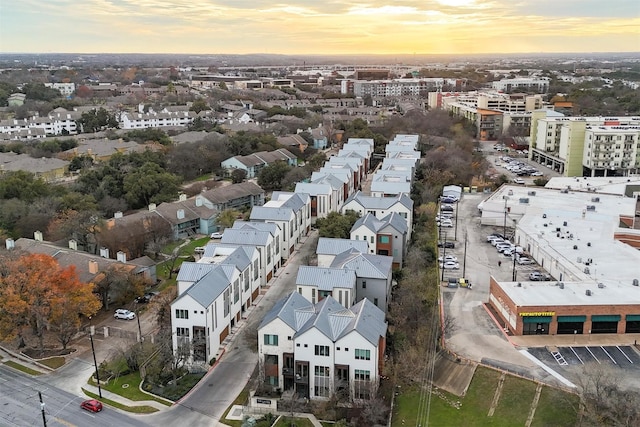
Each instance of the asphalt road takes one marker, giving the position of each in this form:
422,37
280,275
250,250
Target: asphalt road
208,401
20,405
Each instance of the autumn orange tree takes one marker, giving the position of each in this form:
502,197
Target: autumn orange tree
35,291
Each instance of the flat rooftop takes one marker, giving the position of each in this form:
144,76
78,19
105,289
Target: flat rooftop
574,293
601,185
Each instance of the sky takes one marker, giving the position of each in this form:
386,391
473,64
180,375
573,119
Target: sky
319,26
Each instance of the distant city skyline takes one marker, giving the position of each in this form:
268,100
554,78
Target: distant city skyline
330,27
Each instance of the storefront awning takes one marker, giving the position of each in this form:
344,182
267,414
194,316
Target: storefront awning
536,319
571,319
633,317
605,318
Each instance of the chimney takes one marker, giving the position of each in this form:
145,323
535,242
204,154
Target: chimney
182,198
122,257
152,207
73,245
118,214
104,252
198,201
180,213
93,267
37,236
10,244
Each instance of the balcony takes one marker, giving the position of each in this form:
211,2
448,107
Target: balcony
302,379
288,372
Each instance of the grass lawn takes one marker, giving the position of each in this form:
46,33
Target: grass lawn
127,386
241,399
554,407
22,368
143,409
53,362
297,422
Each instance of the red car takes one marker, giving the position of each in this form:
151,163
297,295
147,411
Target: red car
91,405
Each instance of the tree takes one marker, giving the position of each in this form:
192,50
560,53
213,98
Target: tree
34,290
199,105
95,120
82,226
337,225
150,184
270,177
238,175
227,217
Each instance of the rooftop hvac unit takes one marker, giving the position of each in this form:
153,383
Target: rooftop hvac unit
591,207
544,215
531,193
601,285
588,292
589,244
524,200
558,229
635,282
586,270
575,247
564,224
579,260
595,199
561,285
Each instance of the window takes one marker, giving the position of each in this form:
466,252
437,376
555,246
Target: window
322,371
363,354
182,314
322,350
371,239
361,375
364,284
182,332
270,339
375,301
383,239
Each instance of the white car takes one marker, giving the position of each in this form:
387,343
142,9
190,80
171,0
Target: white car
121,313
524,261
450,265
496,240
537,173
446,223
448,258
216,235
518,181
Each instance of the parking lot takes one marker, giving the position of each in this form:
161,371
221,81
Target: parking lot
621,356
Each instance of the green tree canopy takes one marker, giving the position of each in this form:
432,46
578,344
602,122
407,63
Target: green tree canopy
150,184
337,225
270,177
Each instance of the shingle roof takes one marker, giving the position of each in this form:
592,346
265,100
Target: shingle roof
325,278
231,192
329,246
365,265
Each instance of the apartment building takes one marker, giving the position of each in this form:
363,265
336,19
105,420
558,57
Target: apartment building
522,84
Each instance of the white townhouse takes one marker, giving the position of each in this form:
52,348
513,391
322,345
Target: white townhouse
264,243
414,155
361,155
319,350
405,149
205,313
271,227
386,236
316,283
342,178
361,142
246,259
65,89
355,163
291,212
382,206
373,275
344,173
323,198
405,139
328,248
387,185
389,164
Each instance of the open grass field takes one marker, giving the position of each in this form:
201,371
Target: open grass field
555,408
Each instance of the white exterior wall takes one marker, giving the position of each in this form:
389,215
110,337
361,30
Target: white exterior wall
283,331
377,290
364,233
381,213
354,341
310,339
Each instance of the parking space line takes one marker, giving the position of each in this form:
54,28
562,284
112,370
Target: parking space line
593,355
607,353
624,354
574,352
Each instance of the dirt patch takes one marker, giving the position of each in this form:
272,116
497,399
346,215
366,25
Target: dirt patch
453,375
36,353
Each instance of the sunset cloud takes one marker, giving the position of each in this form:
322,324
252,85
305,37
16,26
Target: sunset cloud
311,27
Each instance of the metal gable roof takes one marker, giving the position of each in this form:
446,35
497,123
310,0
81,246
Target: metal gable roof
329,246
286,309
370,202
211,286
369,322
323,321
365,265
271,227
193,271
370,221
396,221
270,213
325,278
246,237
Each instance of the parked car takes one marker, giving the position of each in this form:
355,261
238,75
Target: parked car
146,297
448,258
121,313
494,241
447,245
446,223
446,208
450,265
92,405
519,181
448,199
494,236
537,276
524,261
216,235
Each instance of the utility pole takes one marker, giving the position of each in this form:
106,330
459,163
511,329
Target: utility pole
464,259
44,417
504,226
513,274
139,328
95,362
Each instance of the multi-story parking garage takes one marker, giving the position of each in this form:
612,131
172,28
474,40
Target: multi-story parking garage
584,241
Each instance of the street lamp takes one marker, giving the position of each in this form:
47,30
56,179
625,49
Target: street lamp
444,253
95,362
504,226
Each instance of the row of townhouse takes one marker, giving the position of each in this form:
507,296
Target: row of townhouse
353,277
586,146
391,179
154,119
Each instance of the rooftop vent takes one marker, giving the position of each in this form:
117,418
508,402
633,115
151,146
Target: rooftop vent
531,193
575,247
635,282
589,244
561,285
591,207
588,292
595,199
586,270
519,284
601,285
564,224
544,215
